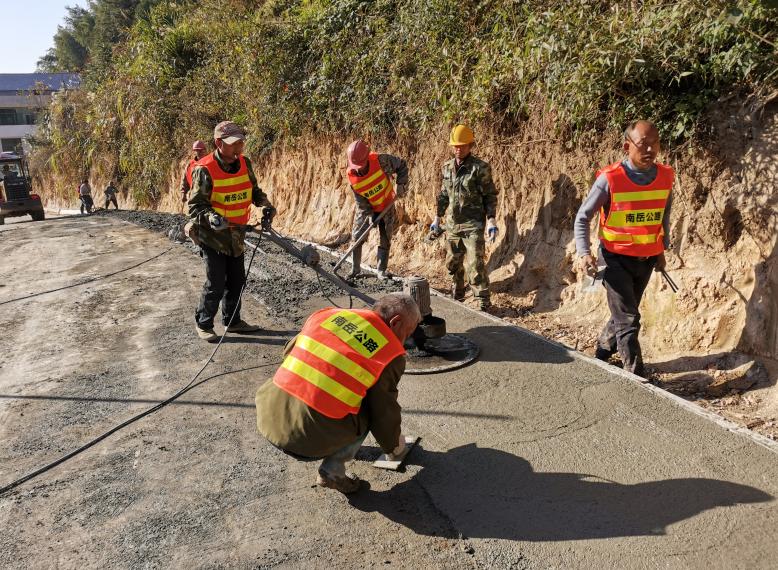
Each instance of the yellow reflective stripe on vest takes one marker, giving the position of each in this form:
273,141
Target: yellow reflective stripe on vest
632,218
631,238
229,213
321,381
367,181
230,181
356,332
335,359
640,196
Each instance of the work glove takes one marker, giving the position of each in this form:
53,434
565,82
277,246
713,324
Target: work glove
435,225
491,230
217,222
268,213
401,190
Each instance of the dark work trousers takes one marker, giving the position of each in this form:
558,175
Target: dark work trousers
224,279
625,279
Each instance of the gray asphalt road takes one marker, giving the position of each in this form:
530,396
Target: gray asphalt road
531,458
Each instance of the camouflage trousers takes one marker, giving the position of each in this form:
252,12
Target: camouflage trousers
385,229
465,257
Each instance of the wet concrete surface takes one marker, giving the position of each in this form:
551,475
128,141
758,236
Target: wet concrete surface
531,457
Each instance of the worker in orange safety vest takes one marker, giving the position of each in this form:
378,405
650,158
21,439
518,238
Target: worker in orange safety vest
199,150
369,174
338,381
633,198
224,188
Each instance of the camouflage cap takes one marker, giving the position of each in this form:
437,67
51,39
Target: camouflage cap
229,132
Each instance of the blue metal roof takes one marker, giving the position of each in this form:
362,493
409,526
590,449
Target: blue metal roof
28,81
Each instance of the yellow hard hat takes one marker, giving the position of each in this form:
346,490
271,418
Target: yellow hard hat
461,134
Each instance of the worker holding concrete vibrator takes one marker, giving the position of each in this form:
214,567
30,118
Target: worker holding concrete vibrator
223,189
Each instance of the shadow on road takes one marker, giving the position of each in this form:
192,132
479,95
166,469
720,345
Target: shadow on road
487,493
506,344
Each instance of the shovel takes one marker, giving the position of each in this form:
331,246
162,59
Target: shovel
361,239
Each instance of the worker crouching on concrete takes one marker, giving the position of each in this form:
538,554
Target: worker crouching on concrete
199,151
369,174
338,381
633,198
468,200
223,189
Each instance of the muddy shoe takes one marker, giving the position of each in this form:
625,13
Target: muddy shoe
346,485
207,334
484,303
242,327
385,275
602,354
457,294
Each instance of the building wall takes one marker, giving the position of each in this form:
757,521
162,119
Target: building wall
11,135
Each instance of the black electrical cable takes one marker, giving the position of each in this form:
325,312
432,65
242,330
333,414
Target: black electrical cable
90,280
151,410
333,303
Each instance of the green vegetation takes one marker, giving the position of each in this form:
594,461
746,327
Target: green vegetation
395,68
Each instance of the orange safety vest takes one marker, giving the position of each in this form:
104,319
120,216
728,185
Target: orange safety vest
231,193
336,358
375,185
189,169
633,225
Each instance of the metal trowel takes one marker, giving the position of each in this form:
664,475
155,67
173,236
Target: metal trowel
592,283
386,461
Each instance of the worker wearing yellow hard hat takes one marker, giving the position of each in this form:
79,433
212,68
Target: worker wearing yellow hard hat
468,201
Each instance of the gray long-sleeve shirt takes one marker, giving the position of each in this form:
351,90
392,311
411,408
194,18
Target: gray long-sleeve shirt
599,197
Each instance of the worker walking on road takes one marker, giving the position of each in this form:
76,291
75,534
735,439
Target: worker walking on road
338,381
85,195
468,200
110,195
199,150
223,189
633,198
369,174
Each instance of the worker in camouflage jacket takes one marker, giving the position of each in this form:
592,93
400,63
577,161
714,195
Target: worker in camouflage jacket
468,200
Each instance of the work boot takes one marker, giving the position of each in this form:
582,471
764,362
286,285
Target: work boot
458,292
356,264
383,261
603,354
346,485
206,334
484,303
242,327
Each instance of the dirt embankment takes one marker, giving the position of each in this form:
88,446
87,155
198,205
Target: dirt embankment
723,256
